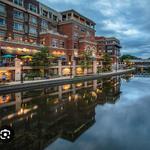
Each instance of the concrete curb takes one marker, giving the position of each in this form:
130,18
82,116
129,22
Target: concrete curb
26,86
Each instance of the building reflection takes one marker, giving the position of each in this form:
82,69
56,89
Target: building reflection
42,116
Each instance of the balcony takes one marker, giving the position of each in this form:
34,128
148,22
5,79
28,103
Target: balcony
21,43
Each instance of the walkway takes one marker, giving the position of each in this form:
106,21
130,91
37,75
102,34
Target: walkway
13,86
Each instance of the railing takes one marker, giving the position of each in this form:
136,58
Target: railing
22,42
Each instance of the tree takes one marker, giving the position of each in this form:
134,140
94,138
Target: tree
86,59
42,59
107,62
124,57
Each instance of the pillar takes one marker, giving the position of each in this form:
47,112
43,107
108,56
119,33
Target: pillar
73,68
95,67
17,69
60,67
85,71
18,99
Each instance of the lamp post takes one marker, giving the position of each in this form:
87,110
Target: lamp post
70,68
21,63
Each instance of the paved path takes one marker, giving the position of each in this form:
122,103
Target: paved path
17,86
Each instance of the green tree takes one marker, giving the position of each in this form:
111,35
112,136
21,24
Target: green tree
42,59
124,57
86,59
107,62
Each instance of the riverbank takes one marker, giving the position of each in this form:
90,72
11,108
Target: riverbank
13,86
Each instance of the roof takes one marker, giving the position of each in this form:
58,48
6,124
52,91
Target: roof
72,10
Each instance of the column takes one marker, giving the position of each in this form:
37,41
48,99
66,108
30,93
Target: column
17,69
85,84
60,67
73,68
85,71
95,67
18,99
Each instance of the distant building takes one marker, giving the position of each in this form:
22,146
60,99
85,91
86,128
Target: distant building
109,45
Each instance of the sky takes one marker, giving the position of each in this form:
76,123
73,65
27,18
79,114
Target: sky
128,20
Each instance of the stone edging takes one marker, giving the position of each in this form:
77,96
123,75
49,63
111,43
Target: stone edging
26,86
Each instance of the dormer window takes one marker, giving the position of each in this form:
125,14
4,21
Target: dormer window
18,2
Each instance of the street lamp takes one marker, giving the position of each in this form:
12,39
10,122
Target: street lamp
70,68
21,63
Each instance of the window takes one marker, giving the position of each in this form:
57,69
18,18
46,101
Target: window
54,18
45,23
2,35
18,2
18,14
75,45
50,15
62,44
32,30
2,22
18,26
2,8
82,30
33,8
54,43
33,19
45,13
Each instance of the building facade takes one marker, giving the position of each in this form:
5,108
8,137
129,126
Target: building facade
28,25
111,46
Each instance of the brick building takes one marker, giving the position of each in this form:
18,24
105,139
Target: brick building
28,25
110,46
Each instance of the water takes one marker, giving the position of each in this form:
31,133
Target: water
108,114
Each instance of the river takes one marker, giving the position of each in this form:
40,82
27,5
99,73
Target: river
105,114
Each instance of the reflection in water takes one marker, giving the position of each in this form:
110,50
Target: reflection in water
42,116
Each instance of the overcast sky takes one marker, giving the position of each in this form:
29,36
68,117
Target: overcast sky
128,20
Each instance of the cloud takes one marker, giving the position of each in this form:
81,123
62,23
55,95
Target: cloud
128,20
